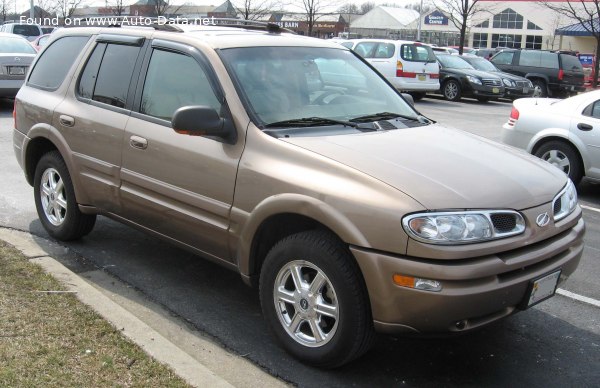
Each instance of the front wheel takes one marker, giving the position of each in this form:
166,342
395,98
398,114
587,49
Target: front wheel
539,88
563,156
314,299
451,90
55,200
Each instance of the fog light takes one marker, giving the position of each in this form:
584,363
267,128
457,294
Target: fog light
417,283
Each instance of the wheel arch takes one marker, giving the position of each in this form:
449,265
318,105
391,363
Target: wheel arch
539,141
44,138
272,221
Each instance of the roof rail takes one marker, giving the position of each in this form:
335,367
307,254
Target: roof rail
172,24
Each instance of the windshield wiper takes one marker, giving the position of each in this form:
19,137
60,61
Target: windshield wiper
388,116
315,122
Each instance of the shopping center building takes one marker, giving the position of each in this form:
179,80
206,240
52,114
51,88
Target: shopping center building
515,24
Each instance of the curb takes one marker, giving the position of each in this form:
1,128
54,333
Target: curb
135,329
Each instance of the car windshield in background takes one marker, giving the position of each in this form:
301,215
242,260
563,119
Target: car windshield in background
283,84
482,64
453,62
26,30
15,45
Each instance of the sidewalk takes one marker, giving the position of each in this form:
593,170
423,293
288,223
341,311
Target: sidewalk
191,355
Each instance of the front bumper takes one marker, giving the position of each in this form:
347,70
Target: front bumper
515,93
475,291
477,90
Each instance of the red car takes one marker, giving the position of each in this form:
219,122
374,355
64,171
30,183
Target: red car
40,42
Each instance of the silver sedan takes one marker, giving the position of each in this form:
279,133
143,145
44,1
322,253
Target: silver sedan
565,133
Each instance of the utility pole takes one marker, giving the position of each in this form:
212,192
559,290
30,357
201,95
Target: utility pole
419,22
31,10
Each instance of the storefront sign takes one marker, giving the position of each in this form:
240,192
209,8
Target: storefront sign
436,18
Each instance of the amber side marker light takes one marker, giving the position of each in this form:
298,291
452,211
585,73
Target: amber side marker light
417,283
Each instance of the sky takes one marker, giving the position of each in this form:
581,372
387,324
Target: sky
22,5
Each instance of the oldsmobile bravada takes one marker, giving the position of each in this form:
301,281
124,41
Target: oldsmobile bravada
289,160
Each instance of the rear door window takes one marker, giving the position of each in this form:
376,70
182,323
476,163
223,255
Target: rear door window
416,53
503,58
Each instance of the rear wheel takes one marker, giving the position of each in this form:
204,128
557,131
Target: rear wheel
563,156
417,96
451,90
315,301
55,200
539,88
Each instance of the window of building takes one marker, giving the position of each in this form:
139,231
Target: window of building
532,26
533,42
484,24
506,40
54,64
508,19
480,40
166,90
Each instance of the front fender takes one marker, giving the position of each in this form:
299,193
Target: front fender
303,205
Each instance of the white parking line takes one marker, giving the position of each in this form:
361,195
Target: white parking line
590,208
578,297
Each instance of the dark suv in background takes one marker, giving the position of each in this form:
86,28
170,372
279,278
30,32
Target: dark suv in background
552,74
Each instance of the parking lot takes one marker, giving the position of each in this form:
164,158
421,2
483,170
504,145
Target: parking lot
556,343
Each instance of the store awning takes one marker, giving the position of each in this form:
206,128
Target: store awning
579,29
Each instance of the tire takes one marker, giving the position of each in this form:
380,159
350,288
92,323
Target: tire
342,329
451,90
417,96
55,200
563,156
539,88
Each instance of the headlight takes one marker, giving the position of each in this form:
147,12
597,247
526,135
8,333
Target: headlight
565,202
530,84
508,82
463,227
474,80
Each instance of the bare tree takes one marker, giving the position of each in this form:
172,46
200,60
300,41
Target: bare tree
586,13
5,8
65,8
117,7
313,10
349,8
163,7
44,8
459,12
257,9
366,7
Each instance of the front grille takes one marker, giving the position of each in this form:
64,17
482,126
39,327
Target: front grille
522,84
492,82
504,222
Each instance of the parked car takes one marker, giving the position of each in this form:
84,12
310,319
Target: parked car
29,31
514,86
350,211
409,66
16,55
486,53
552,74
459,79
565,133
444,50
48,29
40,42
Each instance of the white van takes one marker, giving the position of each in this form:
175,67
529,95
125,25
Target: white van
29,31
409,66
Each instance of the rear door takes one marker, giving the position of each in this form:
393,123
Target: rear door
420,70
586,126
379,54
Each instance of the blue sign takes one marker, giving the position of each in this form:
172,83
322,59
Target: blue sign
436,18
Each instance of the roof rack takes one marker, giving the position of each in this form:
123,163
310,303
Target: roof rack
173,24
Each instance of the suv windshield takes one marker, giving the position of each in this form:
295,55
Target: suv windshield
283,84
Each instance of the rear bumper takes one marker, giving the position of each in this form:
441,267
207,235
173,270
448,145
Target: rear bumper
403,85
9,88
475,291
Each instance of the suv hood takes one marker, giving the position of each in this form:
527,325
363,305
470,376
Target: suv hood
472,72
444,168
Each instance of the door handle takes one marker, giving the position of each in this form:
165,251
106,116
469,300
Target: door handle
66,121
138,142
585,127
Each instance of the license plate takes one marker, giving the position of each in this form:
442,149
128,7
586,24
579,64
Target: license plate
541,289
421,77
525,90
16,70
495,90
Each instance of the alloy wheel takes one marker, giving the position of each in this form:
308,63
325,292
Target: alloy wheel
53,197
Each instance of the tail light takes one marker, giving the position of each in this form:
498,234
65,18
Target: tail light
514,116
434,76
399,69
561,74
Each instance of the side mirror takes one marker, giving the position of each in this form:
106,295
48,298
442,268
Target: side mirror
409,99
200,120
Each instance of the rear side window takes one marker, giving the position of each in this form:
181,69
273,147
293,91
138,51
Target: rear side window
592,110
107,74
26,29
549,60
530,58
570,62
52,67
365,49
416,53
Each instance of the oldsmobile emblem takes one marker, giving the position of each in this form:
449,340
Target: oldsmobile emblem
542,220
17,59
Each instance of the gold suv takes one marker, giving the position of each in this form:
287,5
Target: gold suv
289,160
